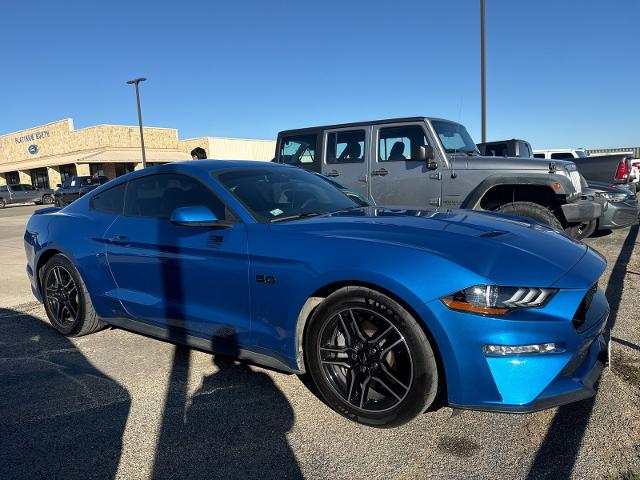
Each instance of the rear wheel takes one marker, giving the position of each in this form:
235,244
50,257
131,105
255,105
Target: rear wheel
370,359
532,210
3,203
47,200
59,202
66,299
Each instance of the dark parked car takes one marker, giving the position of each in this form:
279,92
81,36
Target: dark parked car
74,187
506,148
622,206
23,193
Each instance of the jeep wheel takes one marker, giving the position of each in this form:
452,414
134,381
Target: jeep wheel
370,359
532,210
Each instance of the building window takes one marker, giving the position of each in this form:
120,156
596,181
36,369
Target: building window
40,178
12,178
96,170
67,171
123,168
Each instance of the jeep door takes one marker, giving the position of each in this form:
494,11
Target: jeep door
345,156
398,175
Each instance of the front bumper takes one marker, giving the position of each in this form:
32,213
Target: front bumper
522,383
619,215
581,211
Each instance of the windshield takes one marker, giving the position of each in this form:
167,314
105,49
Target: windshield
454,137
581,154
277,194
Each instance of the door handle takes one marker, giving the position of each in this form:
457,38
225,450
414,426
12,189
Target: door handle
333,173
380,172
119,240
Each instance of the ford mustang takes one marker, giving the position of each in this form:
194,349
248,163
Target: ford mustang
390,312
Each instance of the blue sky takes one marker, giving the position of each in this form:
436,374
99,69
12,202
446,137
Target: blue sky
560,73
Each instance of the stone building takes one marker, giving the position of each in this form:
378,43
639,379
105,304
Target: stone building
46,155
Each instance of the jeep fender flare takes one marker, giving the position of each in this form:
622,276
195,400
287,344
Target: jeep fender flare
549,180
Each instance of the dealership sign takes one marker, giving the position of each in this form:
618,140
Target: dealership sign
33,149
32,136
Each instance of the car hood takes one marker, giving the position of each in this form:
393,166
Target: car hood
513,163
504,249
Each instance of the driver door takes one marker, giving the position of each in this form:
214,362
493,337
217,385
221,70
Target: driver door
190,279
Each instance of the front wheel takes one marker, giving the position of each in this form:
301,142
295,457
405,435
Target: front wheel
533,211
3,203
370,359
66,299
59,202
582,230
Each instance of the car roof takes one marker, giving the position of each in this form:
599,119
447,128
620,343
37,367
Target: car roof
363,124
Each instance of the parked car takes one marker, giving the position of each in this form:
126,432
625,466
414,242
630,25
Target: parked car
23,193
622,206
421,162
506,148
607,168
273,265
74,187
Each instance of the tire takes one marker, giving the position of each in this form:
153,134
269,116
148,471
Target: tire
532,210
59,202
3,203
383,374
59,275
582,230
47,200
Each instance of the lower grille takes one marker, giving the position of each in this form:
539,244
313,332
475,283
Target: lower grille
581,314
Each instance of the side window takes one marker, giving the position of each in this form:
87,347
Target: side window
17,188
298,149
562,155
28,188
159,195
110,201
3,189
538,155
399,144
346,146
524,150
497,150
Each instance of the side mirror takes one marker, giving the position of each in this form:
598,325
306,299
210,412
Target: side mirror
425,153
194,217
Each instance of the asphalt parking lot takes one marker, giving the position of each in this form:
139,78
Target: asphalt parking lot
120,405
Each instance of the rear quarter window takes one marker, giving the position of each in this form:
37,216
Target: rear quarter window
110,201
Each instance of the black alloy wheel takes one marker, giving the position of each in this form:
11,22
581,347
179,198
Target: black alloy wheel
370,359
61,293
47,200
66,299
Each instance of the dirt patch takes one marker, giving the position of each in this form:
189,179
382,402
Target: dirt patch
626,367
460,447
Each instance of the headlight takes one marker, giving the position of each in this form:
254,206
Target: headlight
495,300
612,197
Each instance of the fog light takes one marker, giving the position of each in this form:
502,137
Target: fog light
500,350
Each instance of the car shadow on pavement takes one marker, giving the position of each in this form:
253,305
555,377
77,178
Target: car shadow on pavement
60,417
233,426
558,452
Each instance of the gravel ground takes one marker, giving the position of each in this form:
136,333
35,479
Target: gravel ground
121,405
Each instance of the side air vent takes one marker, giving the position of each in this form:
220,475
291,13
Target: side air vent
581,314
214,241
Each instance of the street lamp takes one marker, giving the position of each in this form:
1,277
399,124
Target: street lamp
483,74
136,82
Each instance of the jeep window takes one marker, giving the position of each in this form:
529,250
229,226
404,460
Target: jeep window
454,137
400,144
562,155
346,146
525,150
298,149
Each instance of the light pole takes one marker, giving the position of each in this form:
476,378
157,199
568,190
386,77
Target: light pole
483,74
136,82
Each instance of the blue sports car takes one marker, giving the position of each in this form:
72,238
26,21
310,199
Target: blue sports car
389,311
